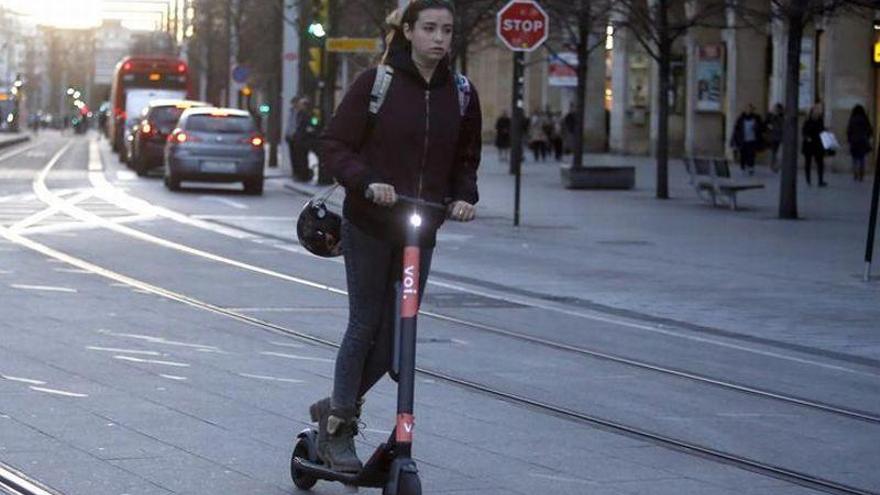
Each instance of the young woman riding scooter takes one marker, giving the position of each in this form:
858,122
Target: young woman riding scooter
421,143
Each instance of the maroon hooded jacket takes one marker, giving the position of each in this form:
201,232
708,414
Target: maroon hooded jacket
420,143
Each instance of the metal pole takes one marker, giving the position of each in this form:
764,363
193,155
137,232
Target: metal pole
516,150
233,16
872,222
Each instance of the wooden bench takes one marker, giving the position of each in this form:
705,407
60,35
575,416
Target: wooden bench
711,179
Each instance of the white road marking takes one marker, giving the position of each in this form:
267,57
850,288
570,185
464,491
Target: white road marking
17,152
123,351
50,211
57,392
48,288
151,361
175,377
381,432
126,175
22,380
299,358
755,415
271,378
99,181
563,478
73,270
6,272
288,344
162,340
225,201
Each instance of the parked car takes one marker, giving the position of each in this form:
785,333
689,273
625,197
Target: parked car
159,118
215,145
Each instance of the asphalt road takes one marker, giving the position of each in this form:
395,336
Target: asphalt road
158,342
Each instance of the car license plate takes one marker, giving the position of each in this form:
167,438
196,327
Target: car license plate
218,167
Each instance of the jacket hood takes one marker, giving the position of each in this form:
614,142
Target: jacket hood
402,61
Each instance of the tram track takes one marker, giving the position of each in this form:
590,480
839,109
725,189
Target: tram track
759,467
14,482
46,195
778,472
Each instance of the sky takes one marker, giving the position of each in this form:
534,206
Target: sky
136,14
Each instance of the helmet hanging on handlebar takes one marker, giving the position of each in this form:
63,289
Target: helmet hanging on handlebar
319,230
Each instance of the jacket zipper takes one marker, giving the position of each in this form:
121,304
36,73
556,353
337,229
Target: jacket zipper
427,129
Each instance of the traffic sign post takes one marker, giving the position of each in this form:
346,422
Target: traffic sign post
523,26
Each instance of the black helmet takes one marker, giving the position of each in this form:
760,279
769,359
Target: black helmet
319,230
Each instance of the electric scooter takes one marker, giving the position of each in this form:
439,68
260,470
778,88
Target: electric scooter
391,466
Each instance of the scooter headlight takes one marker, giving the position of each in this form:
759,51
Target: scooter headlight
415,220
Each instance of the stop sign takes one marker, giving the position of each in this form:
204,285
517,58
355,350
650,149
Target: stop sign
522,25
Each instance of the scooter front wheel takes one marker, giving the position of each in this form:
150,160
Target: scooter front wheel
407,484
301,479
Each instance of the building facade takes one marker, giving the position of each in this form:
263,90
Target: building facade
715,75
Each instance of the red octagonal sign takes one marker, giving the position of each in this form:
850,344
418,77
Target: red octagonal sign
522,25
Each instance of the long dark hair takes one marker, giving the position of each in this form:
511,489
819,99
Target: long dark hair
858,112
396,40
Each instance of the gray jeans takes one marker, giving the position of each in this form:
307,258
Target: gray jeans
372,267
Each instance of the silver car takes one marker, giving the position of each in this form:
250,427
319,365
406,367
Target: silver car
215,145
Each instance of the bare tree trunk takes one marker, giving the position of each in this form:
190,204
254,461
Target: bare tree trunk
665,49
328,91
788,184
583,55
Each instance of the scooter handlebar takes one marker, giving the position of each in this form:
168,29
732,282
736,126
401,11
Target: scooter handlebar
412,201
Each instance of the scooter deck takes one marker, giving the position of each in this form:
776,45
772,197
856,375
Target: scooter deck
365,478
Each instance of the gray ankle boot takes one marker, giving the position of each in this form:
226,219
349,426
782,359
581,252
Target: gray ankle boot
336,432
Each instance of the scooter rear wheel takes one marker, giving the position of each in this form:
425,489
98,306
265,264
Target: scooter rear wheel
301,479
407,484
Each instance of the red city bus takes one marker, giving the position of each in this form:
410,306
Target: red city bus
139,80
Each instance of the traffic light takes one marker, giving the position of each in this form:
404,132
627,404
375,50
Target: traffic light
315,60
264,108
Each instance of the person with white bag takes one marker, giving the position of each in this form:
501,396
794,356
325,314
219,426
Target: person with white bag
811,146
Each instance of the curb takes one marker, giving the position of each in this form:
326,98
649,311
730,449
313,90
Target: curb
14,141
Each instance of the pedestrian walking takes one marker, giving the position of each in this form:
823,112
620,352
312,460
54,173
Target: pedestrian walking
859,133
423,142
811,146
747,138
300,137
773,127
537,142
502,136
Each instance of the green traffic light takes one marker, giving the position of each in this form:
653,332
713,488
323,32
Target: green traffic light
264,108
314,121
316,29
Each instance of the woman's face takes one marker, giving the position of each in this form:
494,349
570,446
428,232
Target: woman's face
431,36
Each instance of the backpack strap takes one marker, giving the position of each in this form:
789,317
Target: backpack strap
381,84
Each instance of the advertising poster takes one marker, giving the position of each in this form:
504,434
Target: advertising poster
710,77
561,69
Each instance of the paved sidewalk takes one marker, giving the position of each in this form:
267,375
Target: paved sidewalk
680,260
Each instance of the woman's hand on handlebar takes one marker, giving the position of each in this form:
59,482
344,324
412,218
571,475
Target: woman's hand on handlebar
462,211
381,194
